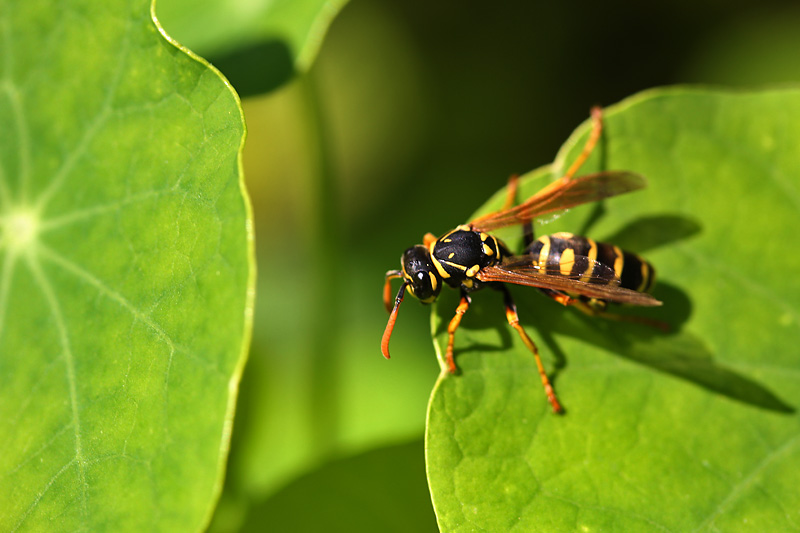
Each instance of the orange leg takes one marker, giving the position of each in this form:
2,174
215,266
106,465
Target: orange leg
592,310
594,136
511,200
428,239
511,192
451,331
513,320
560,297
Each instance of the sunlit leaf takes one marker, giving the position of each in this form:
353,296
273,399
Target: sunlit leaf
125,271
695,429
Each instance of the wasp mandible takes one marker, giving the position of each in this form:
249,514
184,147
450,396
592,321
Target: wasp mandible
572,270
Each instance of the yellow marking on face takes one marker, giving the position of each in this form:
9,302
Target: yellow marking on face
619,262
471,271
439,268
434,281
567,261
545,252
592,255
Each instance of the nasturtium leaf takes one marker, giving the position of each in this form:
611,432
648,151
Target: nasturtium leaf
694,429
126,271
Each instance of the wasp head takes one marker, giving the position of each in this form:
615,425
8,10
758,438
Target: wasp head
420,277
420,274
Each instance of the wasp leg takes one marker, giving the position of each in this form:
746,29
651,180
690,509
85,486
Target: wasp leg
428,239
513,320
598,308
511,192
511,201
591,142
451,330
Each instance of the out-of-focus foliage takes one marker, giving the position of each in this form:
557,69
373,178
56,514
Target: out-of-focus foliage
257,44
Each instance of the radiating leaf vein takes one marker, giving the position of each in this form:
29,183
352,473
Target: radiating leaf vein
43,448
78,215
58,318
105,111
23,139
44,491
103,288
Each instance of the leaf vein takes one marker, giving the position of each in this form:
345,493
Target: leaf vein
69,360
747,482
41,494
90,132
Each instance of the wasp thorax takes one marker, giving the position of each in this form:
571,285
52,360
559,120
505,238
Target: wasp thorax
420,274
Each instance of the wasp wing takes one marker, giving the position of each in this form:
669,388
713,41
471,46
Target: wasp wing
580,267
553,278
561,195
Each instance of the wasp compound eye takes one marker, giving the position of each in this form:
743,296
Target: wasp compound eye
420,274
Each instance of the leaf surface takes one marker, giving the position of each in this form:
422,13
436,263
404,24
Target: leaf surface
125,271
695,429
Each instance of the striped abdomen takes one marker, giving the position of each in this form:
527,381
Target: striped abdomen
565,253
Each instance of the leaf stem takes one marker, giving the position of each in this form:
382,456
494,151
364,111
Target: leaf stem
326,253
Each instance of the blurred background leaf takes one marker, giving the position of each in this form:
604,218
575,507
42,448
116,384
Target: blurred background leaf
380,490
257,44
417,112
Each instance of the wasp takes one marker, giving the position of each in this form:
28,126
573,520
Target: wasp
572,270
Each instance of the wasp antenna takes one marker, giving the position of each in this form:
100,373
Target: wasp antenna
387,288
387,333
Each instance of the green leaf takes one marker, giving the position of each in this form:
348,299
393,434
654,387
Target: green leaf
258,45
695,429
380,490
126,271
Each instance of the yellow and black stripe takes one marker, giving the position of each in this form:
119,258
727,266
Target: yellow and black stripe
585,259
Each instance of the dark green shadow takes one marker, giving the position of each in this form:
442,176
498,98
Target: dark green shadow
258,68
384,489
